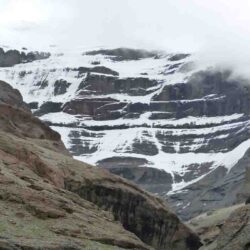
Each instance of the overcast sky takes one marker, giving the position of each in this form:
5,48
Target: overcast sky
211,26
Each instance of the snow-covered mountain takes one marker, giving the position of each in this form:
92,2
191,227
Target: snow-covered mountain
158,119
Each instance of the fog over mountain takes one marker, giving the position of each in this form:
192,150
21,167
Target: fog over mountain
175,25
216,30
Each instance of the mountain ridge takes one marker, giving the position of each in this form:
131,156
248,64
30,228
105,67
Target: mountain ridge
155,118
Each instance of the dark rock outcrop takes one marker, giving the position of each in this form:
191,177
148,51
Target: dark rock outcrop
103,84
60,87
11,96
33,105
178,57
104,70
96,108
97,69
123,54
49,107
207,93
12,57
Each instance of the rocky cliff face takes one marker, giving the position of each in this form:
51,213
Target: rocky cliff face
12,57
11,96
224,189
158,119
48,200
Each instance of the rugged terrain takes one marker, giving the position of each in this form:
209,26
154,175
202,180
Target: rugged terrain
176,128
225,228
48,200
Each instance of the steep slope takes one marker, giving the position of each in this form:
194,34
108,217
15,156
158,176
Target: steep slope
216,190
226,228
49,200
235,233
157,119
208,225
